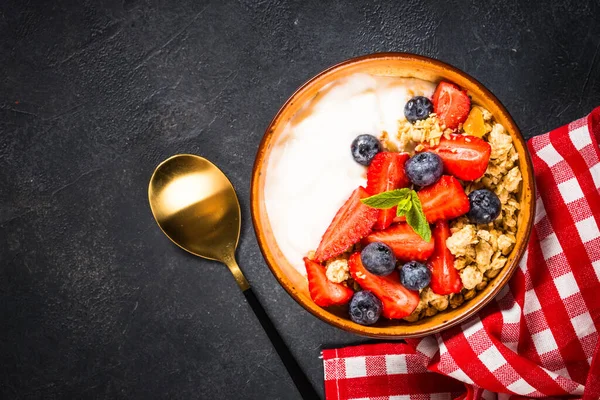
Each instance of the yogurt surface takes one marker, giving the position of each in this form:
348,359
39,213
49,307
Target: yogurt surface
311,172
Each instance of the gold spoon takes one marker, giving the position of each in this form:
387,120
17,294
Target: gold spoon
195,205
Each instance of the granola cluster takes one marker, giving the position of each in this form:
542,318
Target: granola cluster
428,131
337,269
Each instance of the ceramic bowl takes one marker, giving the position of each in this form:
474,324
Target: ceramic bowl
402,65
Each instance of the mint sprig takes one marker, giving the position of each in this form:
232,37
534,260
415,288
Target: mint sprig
387,199
408,204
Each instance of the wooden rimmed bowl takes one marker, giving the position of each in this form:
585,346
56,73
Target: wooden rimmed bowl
401,65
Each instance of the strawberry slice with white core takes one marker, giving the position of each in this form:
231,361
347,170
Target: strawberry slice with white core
445,199
444,277
386,172
353,221
451,104
324,292
406,244
465,157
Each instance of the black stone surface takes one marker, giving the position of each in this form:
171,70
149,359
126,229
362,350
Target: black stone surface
95,302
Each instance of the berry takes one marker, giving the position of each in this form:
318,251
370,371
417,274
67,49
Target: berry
365,308
451,104
446,199
444,277
378,258
398,301
364,148
414,275
424,169
351,223
386,172
324,292
406,244
465,157
485,206
417,108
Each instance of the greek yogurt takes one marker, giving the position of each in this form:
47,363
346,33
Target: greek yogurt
311,172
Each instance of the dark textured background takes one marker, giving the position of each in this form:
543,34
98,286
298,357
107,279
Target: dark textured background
95,301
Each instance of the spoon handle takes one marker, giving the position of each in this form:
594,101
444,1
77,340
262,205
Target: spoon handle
300,380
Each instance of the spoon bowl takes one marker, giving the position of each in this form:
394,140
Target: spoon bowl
195,205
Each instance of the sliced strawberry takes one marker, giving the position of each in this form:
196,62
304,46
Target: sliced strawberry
386,172
445,199
398,301
404,241
324,292
451,104
465,157
351,223
444,277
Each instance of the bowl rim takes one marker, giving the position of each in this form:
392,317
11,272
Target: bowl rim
284,280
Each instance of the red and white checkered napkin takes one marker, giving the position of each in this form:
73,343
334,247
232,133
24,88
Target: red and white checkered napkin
539,336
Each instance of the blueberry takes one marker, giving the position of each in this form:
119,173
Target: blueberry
417,108
364,148
365,308
485,206
378,258
414,275
424,169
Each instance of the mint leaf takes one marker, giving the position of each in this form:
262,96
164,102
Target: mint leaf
408,204
404,206
416,218
387,199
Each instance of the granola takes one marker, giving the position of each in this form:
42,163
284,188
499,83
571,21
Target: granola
337,269
413,136
481,250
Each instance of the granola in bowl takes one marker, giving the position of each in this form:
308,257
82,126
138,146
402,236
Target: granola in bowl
427,201
480,250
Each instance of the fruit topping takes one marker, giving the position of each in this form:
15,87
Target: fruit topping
324,292
424,169
386,172
451,104
485,206
475,124
351,223
446,199
465,157
406,244
444,277
398,301
418,108
378,258
364,148
414,275
365,308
